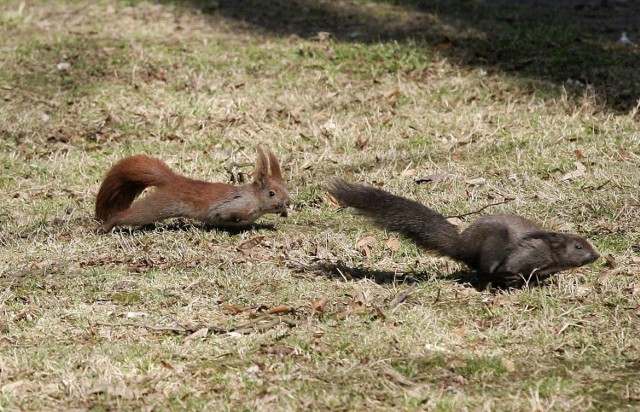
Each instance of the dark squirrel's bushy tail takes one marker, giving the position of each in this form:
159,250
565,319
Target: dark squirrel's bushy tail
126,180
426,227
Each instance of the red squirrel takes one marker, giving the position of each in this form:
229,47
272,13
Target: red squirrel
216,204
502,248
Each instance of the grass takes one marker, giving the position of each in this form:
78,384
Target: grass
117,321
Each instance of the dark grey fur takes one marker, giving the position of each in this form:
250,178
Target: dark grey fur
496,246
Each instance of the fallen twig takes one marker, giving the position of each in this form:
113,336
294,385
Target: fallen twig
479,210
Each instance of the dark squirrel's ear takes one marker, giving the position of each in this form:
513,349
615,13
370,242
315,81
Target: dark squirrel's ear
260,170
556,239
551,238
274,166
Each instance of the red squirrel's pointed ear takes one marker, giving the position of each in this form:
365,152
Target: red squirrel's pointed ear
274,166
260,171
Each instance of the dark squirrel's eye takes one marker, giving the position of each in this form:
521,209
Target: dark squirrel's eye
578,246
272,193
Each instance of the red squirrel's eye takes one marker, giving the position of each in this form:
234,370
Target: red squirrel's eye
272,193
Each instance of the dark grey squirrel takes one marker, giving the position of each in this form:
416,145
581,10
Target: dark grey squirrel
505,249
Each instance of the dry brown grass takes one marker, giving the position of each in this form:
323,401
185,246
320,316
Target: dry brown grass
118,321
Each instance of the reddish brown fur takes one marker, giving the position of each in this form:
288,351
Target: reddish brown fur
274,166
126,180
217,204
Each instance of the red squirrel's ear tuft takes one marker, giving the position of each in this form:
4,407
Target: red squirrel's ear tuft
260,171
274,166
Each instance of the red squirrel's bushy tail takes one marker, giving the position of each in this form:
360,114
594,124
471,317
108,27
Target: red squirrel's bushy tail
126,180
426,227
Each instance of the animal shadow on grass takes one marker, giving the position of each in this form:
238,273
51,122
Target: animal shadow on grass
339,270
186,226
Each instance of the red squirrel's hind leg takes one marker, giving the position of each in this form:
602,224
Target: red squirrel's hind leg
152,208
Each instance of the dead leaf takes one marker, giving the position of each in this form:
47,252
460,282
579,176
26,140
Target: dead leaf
579,172
160,74
361,143
333,200
359,295
578,154
610,261
393,243
319,305
200,333
171,137
343,314
295,114
475,345
359,302
245,247
366,241
460,330
166,364
409,172
21,316
279,309
392,93
379,313
584,290
508,365
231,309
476,182
363,245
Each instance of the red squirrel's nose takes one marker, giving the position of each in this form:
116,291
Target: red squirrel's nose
285,205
